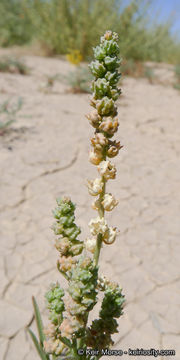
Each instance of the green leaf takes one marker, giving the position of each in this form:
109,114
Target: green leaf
38,346
65,341
38,321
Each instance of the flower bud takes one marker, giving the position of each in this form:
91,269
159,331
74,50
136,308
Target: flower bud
97,69
85,262
109,125
115,93
105,106
66,328
96,204
62,245
109,202
66,263
99,53
112,77
114,148
72,232
76,249
49,330
94,118
108,35
107,170
110,47
95,187
69,326
102,282
95,157
110,236
90,245
53,346
57,228
93,101
111,63
101,88
65,206
99,141
77,309
98,225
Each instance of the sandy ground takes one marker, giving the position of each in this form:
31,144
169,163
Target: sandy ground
45,155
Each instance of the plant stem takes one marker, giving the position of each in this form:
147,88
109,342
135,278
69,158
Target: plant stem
101,215
62,272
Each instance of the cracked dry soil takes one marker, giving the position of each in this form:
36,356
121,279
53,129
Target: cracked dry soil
45,155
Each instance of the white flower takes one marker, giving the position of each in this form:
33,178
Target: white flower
95,187
99,141
98,225
107,169
94,118
110,235
96,204
49,330
95,157
109,202
102,282
90,244
51,345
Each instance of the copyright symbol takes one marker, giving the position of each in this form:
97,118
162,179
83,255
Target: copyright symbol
80,352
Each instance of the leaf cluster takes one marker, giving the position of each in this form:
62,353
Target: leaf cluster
13,65
8,113
99,333
78,80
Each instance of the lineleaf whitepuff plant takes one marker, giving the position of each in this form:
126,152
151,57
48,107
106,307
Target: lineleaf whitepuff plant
69,335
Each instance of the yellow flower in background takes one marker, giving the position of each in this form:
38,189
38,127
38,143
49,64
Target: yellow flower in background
74,57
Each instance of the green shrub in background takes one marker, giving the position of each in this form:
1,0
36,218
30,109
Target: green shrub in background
15,25
61,26
177,75
71,24
177,72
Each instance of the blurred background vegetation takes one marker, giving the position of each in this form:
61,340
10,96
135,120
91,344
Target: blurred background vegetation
64,26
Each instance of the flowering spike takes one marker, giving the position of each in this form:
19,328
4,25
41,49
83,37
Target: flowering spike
104,120
68,330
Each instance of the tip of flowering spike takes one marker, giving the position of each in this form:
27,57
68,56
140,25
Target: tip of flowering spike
63,199
108,35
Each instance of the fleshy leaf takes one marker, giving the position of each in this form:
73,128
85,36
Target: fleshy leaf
38,321
39,349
